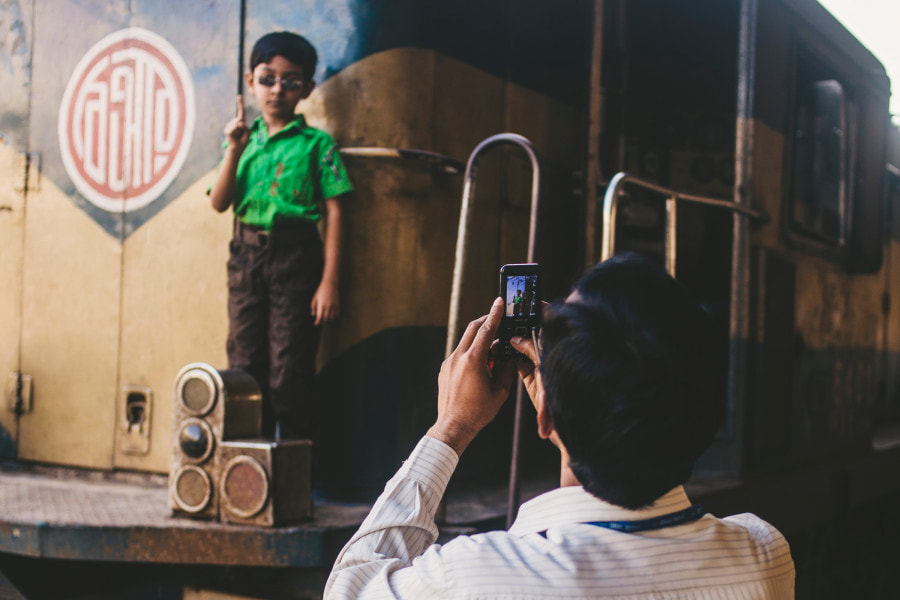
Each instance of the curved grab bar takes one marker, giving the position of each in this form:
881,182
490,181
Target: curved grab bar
465,218
459,265
447,163
611,204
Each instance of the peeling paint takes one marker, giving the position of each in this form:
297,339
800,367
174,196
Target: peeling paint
13,39
15,73
835,309
331,26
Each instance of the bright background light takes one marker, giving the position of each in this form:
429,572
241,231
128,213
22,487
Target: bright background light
876,23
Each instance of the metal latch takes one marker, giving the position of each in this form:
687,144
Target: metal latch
18,393
134,430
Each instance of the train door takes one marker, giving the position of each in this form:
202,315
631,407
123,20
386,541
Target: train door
14,79
174,247
112,123
72,266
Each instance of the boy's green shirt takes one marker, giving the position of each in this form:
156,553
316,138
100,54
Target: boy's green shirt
287,176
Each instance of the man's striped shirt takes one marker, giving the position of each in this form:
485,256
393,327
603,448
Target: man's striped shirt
552,551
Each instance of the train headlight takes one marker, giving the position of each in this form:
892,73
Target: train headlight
197,391
193,488
245,486
195,438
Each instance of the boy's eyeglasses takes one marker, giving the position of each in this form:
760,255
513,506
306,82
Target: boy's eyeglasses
287,84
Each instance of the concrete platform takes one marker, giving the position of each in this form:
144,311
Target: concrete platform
70,518
61,513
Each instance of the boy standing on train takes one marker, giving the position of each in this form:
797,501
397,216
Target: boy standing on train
279,174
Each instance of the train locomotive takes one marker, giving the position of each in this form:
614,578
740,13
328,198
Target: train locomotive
747,144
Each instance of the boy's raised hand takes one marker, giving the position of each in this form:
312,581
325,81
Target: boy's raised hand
236,130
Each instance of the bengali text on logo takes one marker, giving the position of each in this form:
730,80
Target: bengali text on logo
126,120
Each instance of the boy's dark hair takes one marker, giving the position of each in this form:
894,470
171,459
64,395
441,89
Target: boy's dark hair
634,378
291,46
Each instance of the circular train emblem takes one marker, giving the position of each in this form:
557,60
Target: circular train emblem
126,120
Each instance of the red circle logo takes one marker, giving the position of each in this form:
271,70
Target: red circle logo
126,120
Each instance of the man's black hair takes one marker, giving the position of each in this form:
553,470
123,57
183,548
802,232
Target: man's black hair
633,371
291,46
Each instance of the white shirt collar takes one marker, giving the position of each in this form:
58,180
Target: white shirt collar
573,504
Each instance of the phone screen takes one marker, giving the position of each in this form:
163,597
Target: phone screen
520,288
521,293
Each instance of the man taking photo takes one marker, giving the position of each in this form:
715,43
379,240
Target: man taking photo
628,387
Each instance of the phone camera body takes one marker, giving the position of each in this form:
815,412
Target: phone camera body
520,288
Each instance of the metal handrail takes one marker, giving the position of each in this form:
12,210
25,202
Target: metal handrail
465,218
459,265
447,163
611,203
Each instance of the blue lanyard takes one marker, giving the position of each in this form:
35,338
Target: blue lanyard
688,515
681,517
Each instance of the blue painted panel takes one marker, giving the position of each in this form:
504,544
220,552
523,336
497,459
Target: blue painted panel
64,32
15,70
529,42
204,35
335,27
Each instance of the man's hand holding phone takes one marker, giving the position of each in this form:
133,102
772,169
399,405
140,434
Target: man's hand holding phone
528,365
470,392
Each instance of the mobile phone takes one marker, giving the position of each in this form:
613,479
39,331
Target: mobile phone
520,288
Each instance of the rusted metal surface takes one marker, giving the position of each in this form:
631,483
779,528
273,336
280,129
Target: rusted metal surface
739,317
593,168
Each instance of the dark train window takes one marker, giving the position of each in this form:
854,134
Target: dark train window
823,157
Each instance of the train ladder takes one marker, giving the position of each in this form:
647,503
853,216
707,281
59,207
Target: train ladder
614,193
462,239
